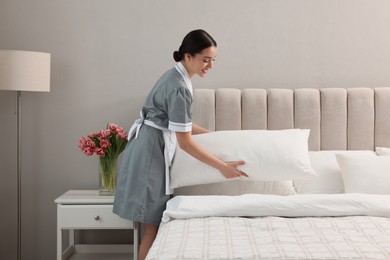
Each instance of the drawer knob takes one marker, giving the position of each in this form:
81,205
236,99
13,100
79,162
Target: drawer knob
97,218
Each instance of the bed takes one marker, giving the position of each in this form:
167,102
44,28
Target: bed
343,213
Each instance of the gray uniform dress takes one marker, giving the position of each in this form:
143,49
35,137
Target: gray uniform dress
141,187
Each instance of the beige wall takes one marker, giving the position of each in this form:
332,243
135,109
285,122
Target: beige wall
106,55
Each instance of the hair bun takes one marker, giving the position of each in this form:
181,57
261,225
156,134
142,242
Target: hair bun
178,56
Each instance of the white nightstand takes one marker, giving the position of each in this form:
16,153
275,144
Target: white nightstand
85,209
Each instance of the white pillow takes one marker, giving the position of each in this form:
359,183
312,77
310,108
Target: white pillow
382,151
329,179
365,174
269,156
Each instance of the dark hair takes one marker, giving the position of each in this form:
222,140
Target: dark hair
194,42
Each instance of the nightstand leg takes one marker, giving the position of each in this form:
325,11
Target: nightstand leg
135,239
71,238
59,244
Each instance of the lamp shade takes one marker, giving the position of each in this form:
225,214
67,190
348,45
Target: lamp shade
24,70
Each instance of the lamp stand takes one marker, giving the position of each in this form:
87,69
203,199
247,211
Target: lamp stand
23,71
19,174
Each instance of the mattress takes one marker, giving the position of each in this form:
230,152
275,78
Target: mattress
354,237
344,226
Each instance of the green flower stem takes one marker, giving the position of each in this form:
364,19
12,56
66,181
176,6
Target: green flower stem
108,173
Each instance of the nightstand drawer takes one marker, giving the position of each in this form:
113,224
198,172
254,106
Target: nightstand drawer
90,217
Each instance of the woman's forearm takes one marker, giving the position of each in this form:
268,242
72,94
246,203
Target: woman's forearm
187,144
196,129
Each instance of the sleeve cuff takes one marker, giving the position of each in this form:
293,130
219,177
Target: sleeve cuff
180,127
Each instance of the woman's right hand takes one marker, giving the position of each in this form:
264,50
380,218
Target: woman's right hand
230,171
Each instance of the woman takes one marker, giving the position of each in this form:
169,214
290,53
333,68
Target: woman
143,178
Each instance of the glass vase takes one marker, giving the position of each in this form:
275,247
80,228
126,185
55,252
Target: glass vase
107,175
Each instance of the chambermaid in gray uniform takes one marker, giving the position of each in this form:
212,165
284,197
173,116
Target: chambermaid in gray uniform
143,179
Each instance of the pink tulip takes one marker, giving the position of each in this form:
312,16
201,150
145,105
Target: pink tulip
112,127
104,143
82,141
89,151
90,143
122,136
100,152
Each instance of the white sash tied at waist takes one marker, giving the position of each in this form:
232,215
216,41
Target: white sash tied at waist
169,145
135,128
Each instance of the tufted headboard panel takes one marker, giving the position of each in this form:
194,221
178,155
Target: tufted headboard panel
339,119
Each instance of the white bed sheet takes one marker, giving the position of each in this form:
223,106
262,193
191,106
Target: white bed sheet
250,227
256,205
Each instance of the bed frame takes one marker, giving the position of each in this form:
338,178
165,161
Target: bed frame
339,118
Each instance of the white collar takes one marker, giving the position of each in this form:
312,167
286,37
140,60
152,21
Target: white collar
183,71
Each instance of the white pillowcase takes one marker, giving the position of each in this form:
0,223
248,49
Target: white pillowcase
329,179
365,174
269,155
382,151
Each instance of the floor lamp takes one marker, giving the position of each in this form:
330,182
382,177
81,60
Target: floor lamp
23,71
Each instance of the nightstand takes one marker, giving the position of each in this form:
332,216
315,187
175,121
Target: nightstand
85,209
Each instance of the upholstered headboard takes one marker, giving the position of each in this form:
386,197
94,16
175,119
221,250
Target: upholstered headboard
339,119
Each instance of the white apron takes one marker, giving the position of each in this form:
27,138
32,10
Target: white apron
170,141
